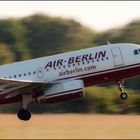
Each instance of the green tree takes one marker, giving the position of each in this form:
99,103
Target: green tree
12,32
6,56
50,35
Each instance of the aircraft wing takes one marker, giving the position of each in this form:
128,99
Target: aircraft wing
13,87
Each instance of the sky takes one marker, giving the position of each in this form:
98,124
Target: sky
99,15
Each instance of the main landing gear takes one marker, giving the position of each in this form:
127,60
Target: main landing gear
24,114
123,95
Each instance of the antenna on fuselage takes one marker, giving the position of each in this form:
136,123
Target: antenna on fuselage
108,42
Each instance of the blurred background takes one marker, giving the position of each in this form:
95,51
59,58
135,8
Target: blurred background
42,28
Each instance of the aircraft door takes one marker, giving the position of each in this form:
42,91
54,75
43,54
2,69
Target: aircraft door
117,57
40,72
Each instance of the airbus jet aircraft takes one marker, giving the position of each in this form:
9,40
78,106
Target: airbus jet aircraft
62,77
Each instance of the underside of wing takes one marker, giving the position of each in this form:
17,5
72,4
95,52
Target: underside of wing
13,87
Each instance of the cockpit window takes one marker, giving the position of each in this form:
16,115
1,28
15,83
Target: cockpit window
136,52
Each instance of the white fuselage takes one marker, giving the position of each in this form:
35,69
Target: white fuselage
86,64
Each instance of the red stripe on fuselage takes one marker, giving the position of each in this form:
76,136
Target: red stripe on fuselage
108,75
111,76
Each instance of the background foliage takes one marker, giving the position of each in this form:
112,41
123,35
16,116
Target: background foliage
41,35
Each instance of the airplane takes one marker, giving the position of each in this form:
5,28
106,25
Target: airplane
62,77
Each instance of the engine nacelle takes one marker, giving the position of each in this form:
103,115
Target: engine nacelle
63,91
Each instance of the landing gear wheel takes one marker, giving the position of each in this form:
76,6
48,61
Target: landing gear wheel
123,95
24,114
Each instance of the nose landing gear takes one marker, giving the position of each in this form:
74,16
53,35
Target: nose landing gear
123,94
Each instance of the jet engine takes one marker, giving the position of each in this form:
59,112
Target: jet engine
62,91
